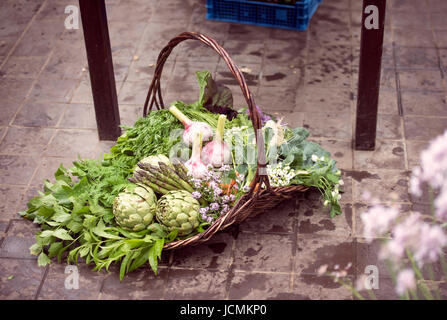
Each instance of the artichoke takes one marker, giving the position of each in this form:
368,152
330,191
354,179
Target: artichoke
178,210
134,208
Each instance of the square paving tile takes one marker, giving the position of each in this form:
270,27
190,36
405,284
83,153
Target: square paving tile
264,286
424,128
392,184
140,284
263,252
418,38
314,219
328,75
58,284
39,39
10,196
26,141
387,154
328,125
20,236
283,52
73,142
411,20
278,220
316,99
20,279
314,251
39,114
310,287
407,6
214,254
414,149
389,127
129,114
80,116
388,102
14,89
8,109
184,284
416,57
22,67
276,98
420,80
17,169
424,103
53,90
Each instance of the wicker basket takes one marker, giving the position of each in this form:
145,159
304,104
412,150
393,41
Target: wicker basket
257,199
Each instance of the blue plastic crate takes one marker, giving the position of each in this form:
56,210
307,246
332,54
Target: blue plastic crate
295,17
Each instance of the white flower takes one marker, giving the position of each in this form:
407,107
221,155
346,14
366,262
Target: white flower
341,182
315,158
405,281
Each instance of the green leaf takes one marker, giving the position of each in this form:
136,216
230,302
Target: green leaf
43,260
158,247
142,257
62,234
35,249
74,226
90,221
155,254
62,174
46,233
102,233
54,249
84,251
172,235
61,217
45,212
124,263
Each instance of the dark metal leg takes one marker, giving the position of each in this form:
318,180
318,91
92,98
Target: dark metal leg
99,55
373,25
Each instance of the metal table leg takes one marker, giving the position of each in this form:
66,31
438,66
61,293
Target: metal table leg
99,55
373,25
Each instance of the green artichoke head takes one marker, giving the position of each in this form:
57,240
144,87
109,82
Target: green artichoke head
178,210
135,208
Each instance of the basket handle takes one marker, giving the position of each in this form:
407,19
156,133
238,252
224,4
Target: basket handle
154,97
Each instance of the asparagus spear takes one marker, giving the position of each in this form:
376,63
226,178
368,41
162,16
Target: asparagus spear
154,187
158,174
172,174
145,176
181,171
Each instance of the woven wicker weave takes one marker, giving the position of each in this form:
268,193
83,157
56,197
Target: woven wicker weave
256,200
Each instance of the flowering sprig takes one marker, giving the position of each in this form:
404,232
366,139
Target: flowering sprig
209,193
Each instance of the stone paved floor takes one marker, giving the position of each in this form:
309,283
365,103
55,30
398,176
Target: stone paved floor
47,118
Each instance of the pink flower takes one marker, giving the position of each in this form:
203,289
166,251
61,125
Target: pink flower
406,234
429,247
405,281
441,204
377,220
